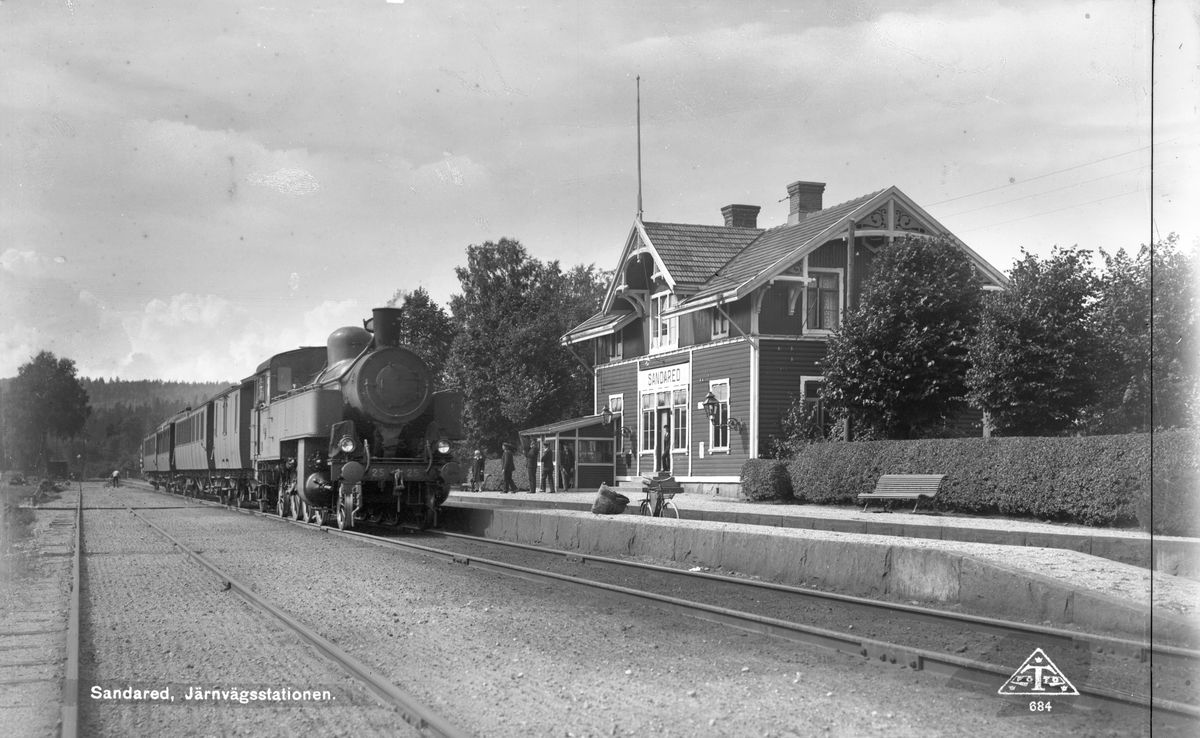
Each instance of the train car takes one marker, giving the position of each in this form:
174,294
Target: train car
158,459
232,465
193,440
351,430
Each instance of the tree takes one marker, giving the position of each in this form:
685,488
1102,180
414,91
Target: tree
426,329
1034,355
1148,378
896,367
507,355
44,400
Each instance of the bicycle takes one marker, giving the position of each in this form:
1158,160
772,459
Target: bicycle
659,502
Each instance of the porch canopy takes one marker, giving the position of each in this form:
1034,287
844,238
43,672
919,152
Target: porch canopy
592,447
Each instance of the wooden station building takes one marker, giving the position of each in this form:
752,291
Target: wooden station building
708,333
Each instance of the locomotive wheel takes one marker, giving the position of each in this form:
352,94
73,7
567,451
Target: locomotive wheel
318,516
281,504
297,510
262,505
391,518
343,519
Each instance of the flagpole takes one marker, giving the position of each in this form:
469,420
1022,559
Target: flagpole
639,145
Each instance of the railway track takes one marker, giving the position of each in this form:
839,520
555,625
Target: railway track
578,570
421,717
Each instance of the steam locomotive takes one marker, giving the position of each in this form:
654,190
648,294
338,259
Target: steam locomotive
352,431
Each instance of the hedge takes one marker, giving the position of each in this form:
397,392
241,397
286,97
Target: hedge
1092,480
1175,507
766,479
493,474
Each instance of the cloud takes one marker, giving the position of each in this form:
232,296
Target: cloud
26,263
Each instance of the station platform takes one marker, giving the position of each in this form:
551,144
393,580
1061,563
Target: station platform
1038,572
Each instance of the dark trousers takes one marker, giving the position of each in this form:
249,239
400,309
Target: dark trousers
531,467
548,478
509,485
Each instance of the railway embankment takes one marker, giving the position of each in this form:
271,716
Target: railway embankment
1033,583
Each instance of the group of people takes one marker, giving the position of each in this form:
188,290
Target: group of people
566,467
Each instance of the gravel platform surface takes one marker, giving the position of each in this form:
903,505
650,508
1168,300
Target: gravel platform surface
500,656
155,620
35,591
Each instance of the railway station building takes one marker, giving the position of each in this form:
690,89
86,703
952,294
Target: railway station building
708,333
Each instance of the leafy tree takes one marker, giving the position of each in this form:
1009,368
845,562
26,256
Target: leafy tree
507,355
1147,379
898,364
45,400
1034,356
426,328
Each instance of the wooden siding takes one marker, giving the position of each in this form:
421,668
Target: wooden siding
831,255
728,361
863,260
739,313
773,318
781,364
634,338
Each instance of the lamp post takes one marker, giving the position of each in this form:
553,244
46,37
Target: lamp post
712,408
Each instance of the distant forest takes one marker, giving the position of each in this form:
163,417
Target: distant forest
123,413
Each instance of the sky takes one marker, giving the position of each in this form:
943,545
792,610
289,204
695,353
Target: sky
189,188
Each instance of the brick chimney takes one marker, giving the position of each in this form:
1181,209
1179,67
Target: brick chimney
804,198
741,216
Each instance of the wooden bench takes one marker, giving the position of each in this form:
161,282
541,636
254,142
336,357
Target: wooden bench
915,487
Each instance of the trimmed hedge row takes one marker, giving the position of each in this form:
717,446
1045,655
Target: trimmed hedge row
493,474
766,479
1093,480
1176,486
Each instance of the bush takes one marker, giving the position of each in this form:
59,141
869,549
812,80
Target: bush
1171,504
1093,480
766,479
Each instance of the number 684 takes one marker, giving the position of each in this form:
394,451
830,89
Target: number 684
1040,706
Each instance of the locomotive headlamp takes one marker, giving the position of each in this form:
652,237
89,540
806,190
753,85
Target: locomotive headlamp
443,446
347,445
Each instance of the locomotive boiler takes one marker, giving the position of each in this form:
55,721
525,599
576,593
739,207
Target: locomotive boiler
352,430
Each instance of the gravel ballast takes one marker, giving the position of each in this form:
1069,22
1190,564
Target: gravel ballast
501,656
153,620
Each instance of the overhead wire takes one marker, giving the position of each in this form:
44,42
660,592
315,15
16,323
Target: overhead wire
1060,171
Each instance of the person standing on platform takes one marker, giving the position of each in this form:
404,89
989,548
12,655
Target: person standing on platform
509,467
477,472
531,458
548,467
566,467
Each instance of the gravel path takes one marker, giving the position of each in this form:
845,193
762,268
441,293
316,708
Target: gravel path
507,657
154,620
35,590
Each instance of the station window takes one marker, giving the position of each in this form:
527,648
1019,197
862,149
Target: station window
823,299
647,423
616,405
720,323
718,428
664,332
679,420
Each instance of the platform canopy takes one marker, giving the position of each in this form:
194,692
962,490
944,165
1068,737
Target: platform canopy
564,426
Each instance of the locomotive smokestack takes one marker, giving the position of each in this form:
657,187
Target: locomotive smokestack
386,322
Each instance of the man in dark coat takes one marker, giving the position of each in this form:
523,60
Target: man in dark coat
548,467
477,467
509,467
531,458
